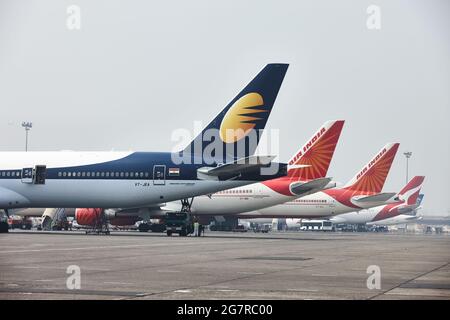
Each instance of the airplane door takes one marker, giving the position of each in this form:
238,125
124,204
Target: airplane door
159,175
27,175
36,175
40,174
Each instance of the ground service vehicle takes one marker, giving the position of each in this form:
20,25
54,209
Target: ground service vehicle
179,222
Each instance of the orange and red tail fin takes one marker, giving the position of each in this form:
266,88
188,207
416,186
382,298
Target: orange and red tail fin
371,178
317,152
410,193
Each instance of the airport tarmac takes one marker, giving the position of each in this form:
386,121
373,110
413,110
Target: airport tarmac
278,265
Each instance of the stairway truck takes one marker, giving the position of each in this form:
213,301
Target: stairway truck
179,222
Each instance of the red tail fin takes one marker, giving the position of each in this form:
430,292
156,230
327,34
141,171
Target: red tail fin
411,191
372,177
317,152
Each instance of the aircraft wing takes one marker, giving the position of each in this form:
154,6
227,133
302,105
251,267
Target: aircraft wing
234,169
312,186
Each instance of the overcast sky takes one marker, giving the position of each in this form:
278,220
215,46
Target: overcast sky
137,70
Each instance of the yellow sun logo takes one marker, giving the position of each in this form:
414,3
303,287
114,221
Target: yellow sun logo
241,118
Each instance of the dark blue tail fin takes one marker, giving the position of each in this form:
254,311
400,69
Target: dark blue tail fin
236,131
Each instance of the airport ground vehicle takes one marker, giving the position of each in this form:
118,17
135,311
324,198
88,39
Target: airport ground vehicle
16,222
317,225
63,224
179,222
263,228
240,228
153,227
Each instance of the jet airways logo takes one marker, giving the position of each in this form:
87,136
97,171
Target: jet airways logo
371,163
242,117
307,146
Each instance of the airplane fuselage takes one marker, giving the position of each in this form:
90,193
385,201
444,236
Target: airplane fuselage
103,179
322,204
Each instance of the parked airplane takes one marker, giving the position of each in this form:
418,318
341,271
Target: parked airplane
407,203
316,153
362,192
435,221
430,220
219,158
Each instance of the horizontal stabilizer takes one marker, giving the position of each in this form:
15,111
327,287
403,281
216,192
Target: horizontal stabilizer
312,186
379,197
234,169
407,208
298,166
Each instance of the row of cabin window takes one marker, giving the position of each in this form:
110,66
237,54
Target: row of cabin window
10,173
312,201
235,191
98,174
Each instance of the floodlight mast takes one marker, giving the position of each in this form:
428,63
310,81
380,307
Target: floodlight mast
27,126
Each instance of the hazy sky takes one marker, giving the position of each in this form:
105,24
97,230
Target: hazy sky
137,70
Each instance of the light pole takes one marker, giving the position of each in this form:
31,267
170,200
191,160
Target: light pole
408,155
27,126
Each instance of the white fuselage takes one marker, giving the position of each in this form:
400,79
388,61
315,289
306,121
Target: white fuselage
236,200
98,179
357,217
317,205
400,219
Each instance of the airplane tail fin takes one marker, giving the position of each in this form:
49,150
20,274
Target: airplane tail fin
410,193
317,152
371,178
235,132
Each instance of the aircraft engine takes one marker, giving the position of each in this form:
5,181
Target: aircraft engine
88,216
94,216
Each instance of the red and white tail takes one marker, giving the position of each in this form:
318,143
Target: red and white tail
411,191
371,178
317,153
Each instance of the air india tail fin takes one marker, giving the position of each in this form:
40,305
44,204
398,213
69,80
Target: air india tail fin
410,193
316,153
371,178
